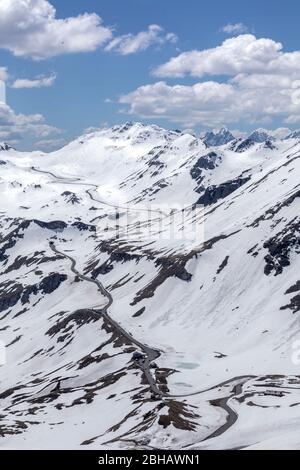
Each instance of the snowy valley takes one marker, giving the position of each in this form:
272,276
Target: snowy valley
144,341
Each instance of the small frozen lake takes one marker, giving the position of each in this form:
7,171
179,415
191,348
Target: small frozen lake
187,365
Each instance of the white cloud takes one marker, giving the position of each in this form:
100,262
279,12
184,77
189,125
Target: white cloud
239,55
30,28
279,133
15,126
36,83
262,80
205,103
263,84
294,119
131,44
215,104
234,28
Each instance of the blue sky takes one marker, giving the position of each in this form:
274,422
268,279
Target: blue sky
74,86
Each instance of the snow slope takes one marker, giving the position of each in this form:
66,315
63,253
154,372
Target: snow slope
219,308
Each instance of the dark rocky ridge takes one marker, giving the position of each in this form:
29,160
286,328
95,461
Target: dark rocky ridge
280,247
11,293
213,193
5,147
207,162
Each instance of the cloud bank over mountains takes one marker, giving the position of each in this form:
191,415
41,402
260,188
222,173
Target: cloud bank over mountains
262,82
30,29
245,80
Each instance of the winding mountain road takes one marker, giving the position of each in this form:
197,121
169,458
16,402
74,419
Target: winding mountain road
149,353
77,181
232,415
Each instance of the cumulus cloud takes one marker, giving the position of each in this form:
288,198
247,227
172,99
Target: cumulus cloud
234,28
279,133
263,84
40,82
205,103
30,28
131,44
243,54
294,119
16,126
214,104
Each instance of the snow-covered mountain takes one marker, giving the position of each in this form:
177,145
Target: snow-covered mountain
120,334
4,146
218,138
260,135
294,135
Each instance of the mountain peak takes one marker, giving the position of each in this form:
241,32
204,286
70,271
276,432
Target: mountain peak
293,135
260,136
131,133
4,146
219,137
